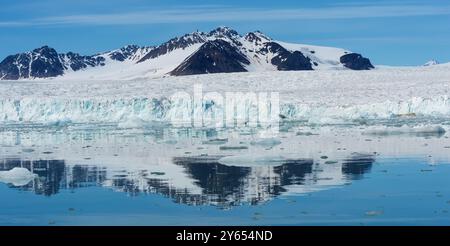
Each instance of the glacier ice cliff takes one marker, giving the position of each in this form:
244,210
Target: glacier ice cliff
60,111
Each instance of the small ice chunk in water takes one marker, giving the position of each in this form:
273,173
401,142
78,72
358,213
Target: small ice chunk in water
17,176
374,213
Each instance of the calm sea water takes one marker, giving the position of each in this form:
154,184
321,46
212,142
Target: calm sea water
120,179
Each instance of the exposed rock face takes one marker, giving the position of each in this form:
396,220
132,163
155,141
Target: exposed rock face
9,67
256,38
77,62
216,56
356,61
173,44
285,60
294,61
124,53
223,32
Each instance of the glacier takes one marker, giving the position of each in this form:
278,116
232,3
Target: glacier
136,112
313,97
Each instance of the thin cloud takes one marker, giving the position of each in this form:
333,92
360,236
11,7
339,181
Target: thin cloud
216,14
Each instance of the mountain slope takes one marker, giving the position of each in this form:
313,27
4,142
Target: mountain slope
221,50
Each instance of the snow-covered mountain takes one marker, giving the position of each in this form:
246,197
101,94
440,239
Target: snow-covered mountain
221,50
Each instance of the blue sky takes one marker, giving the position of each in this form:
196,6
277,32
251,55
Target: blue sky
408,32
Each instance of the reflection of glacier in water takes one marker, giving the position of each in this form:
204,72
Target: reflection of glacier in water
214,183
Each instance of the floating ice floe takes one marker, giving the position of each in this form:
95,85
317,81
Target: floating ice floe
17,176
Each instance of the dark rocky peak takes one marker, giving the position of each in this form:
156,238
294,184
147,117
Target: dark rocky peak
257,37
227,34
124,53
195,37
72,55
223,32
45,51
130,47
186,40
66,58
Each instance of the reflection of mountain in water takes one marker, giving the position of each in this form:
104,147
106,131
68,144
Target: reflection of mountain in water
215,184
235,185
355,167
